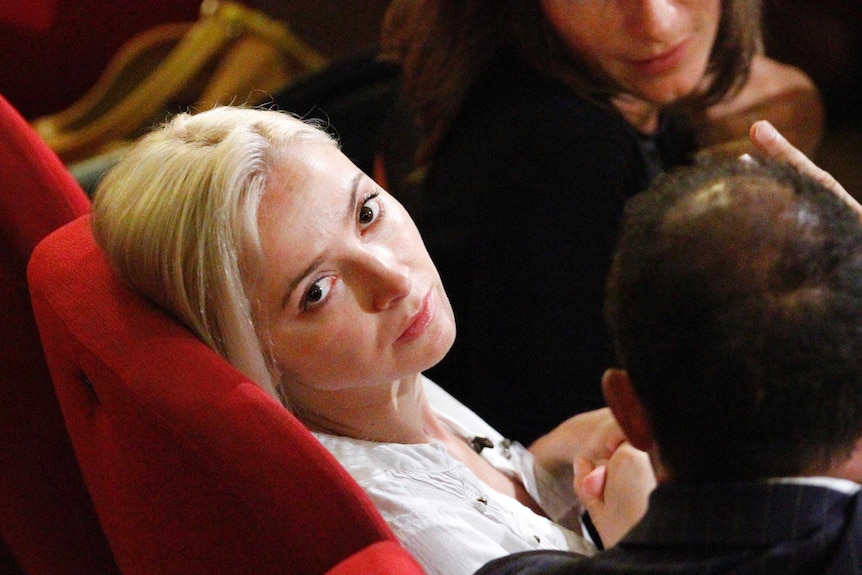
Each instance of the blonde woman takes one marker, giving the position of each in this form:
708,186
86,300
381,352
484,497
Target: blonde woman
256,232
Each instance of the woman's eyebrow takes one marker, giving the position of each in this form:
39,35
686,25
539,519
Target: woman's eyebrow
354,190
295,281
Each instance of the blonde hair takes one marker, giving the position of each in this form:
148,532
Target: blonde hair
177,218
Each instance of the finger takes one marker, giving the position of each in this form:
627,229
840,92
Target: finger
771,143
615,437
605,439
588,483
632,467
595,481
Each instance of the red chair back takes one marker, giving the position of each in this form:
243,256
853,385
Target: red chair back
192,468
47,521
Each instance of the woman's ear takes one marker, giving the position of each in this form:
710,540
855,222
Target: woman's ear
628,409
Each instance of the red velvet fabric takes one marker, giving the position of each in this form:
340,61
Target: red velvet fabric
46,517
384,557
33,14
192,468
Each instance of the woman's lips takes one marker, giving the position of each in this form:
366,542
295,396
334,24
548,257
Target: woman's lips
420,321
663,62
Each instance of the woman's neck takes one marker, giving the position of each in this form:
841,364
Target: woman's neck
398,413
391,413
643,115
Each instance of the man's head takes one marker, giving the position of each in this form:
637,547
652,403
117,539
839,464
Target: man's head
735,301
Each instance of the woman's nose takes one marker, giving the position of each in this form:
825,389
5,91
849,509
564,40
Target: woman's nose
389,279
652,19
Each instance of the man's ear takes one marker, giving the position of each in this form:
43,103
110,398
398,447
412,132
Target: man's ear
628,409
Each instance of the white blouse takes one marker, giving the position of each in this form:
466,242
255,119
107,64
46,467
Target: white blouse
449,519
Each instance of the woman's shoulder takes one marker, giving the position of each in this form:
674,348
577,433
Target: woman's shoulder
780,93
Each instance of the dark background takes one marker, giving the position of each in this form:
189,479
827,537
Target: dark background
54,50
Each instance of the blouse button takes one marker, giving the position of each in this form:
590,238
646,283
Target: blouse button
480,504
506,444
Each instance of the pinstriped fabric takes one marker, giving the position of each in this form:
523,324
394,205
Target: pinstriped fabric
746,528
738,514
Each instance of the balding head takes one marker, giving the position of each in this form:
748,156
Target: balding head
735,301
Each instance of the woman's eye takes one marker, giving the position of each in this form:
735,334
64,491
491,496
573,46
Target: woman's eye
317,292
369,211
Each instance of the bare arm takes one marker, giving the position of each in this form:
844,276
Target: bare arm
782,94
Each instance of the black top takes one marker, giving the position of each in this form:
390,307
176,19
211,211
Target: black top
520,212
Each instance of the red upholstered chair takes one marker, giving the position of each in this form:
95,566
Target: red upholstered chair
47,521
192,468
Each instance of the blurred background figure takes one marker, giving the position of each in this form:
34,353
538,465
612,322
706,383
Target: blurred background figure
522,129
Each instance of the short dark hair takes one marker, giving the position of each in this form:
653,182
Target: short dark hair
735,302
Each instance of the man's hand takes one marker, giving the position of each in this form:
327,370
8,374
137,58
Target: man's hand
593,435
772,144
615,492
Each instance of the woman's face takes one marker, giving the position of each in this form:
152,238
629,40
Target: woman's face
349,295
656,50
